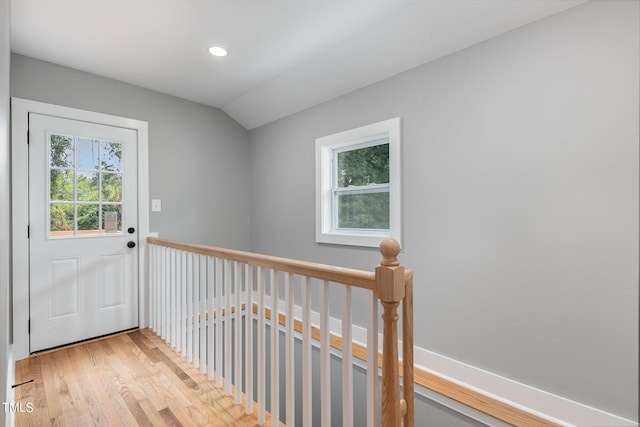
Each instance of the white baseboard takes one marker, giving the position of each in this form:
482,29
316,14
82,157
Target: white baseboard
545,405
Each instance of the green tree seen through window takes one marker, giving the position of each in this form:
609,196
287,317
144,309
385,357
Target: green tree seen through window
364,166
367,209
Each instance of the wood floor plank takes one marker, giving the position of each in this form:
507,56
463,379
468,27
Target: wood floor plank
66,383
27,393
97,398
213,396
139,339
110,379
170,418
50,388
152,413
84,412
150,382
124,386
206,390
129,379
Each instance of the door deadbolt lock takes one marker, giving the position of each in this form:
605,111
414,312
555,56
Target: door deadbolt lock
131,230
131,244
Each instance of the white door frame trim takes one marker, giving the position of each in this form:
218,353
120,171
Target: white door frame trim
20,109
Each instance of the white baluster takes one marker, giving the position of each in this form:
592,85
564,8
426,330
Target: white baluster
165,295
195,284
347,361
202,324
183,303
372,363
178,319
152,287
227,327
248,343
307,374
159,290
172,299
210,310
238,335
290,391
261,347
325,357
189,307
163,331
218,296
275,350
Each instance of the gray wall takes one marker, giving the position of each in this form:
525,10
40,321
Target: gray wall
5,207
520,200
197,154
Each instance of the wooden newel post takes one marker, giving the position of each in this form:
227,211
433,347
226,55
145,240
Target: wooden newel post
390,291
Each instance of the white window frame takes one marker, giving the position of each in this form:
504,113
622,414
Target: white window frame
326,217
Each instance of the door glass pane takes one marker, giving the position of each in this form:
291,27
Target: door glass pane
88,186
111,156
111,187
88,219
61,185
61,151
61,219
87,154
112,218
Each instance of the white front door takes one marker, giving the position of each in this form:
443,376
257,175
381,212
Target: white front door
83,228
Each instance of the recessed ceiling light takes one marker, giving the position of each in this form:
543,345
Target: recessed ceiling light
218,51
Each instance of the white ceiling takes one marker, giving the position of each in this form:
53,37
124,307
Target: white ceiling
284,55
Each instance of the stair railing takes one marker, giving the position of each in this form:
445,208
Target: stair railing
204,301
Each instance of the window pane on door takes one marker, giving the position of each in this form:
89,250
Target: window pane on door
62,219
88,218
88,154
112,218
111,156
88,186
61,185
111,187
61,150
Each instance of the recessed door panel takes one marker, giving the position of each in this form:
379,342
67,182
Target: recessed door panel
112,281
63,288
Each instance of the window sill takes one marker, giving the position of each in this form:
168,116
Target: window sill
369,240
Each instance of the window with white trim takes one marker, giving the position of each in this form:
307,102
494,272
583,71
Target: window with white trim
358,185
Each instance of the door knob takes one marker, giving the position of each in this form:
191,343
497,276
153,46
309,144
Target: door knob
131,244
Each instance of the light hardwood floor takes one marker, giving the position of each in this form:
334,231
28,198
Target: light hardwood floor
129,379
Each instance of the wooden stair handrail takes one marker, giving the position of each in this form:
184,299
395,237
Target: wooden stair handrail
391,283
346,276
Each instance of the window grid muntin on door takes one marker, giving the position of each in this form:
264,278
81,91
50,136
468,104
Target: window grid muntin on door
103,161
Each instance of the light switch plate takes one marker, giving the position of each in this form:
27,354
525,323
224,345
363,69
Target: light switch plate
156,205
